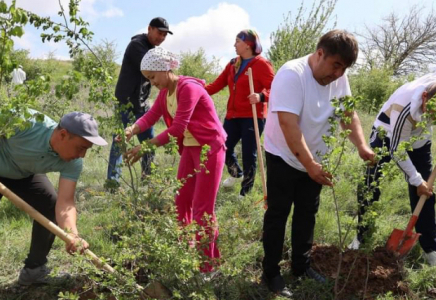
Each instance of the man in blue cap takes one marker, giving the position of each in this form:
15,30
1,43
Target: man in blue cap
42,147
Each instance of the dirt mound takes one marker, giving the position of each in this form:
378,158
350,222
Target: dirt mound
361,274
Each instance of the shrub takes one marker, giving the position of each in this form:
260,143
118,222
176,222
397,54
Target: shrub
195,64
374,87
298,36
103,54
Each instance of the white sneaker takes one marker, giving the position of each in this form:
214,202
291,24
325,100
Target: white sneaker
355,244
207,277
229,182
430,258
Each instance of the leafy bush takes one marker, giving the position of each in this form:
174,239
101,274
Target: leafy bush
34,67
195,64
12,24
103,54
151,244
298,37
374,87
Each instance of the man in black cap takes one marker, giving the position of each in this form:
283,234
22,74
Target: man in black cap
25,158
133,88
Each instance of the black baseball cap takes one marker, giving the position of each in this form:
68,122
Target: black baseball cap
161,24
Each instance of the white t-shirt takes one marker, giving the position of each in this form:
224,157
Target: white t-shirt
18,76
294,90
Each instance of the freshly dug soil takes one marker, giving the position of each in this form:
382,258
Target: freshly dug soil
361,274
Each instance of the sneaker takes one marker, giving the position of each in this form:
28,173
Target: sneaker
312,274
231,181
37,275
430,258
209,276
355,244
111,186
277,286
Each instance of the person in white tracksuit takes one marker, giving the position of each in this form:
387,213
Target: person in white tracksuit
398,118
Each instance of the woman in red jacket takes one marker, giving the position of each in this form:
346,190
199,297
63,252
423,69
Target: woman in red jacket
239,118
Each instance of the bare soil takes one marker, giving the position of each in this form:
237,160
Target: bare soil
362,275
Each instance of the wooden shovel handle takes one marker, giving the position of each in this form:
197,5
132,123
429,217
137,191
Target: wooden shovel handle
256,131
419,206
53,228
423,198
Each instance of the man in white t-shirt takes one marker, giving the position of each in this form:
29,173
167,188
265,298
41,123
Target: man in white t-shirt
297,119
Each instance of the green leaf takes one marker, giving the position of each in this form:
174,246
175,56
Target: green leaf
3,7
83,31
24,19
17,31
16,16
39,118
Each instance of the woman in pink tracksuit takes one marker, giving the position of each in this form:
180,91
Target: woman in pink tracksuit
189,113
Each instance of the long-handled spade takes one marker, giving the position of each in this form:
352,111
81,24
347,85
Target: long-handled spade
256,132
153,290
402,241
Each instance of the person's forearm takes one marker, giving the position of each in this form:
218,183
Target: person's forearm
135,129
295,139
296,142
66,216
356,136
155,141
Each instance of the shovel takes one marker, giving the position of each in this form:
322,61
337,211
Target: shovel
154,289
402,241
256,133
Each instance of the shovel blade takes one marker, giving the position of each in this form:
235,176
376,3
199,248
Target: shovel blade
400,244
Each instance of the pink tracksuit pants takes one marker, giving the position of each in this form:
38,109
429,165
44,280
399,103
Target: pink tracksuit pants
196,199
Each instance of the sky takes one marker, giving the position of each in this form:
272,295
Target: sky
212,25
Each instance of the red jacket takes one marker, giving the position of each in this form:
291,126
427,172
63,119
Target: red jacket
195,112
238,105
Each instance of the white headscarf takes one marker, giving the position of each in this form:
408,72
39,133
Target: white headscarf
159,59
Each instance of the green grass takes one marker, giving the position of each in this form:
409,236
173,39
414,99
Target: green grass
61,67
240,229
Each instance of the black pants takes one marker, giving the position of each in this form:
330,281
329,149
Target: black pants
37,191
287,186
242,129
421,159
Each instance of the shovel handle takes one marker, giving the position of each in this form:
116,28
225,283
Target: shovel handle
420,204
53,228
256,131
423,198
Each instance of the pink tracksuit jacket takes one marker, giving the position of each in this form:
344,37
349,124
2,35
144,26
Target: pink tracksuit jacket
196,113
